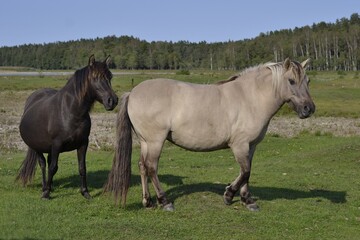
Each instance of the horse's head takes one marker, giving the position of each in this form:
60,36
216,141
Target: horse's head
100,83
295,88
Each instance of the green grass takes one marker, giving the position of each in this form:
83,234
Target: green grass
307,188
336,94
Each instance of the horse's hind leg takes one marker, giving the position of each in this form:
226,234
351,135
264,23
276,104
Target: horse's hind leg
146,201
42,163
81,153
52,169
150,165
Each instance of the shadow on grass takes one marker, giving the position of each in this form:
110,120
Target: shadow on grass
263,193
272,193
97,179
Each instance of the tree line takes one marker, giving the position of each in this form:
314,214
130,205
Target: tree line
331,46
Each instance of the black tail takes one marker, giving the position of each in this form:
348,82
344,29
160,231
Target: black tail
119,177
28,167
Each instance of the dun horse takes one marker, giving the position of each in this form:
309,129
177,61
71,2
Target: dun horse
56,121
230,114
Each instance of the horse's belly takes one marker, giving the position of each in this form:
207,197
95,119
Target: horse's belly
195,141
34,134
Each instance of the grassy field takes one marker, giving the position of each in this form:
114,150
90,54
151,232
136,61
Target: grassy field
307,186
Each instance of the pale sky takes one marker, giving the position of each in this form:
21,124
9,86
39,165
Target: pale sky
46,21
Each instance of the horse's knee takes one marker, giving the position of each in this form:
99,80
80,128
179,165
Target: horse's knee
52,170
142,168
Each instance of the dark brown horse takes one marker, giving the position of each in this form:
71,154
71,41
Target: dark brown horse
56,121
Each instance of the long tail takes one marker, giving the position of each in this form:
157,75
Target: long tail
119,177
28,167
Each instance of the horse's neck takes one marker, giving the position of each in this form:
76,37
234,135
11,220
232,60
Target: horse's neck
71,97
256,89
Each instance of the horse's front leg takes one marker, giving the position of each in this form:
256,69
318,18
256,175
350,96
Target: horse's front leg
243,154
81,154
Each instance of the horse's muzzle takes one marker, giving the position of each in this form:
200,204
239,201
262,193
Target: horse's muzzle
306,110
110,103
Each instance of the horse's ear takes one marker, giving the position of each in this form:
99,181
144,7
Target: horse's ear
287,64
91,60
305,63
108,60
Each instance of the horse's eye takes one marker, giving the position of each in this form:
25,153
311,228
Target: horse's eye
291,81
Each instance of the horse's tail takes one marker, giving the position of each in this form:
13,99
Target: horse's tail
119,177
28,167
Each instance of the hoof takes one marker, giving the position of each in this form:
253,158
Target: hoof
252,207
147,203
168,207
86,195
45,195
228,195
227,200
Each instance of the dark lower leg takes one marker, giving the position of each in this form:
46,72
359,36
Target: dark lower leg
231,190
83,188
52,169
81,154
241,183
229,195
246,198
160,194
42,163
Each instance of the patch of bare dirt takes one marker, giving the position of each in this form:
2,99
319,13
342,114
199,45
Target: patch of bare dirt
103,129
292,126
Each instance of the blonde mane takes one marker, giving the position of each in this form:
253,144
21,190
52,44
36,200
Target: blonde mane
242,73
277,70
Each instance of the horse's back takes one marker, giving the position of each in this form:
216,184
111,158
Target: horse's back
39,96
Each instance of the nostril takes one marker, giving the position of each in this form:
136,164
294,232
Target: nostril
306,108
110,101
